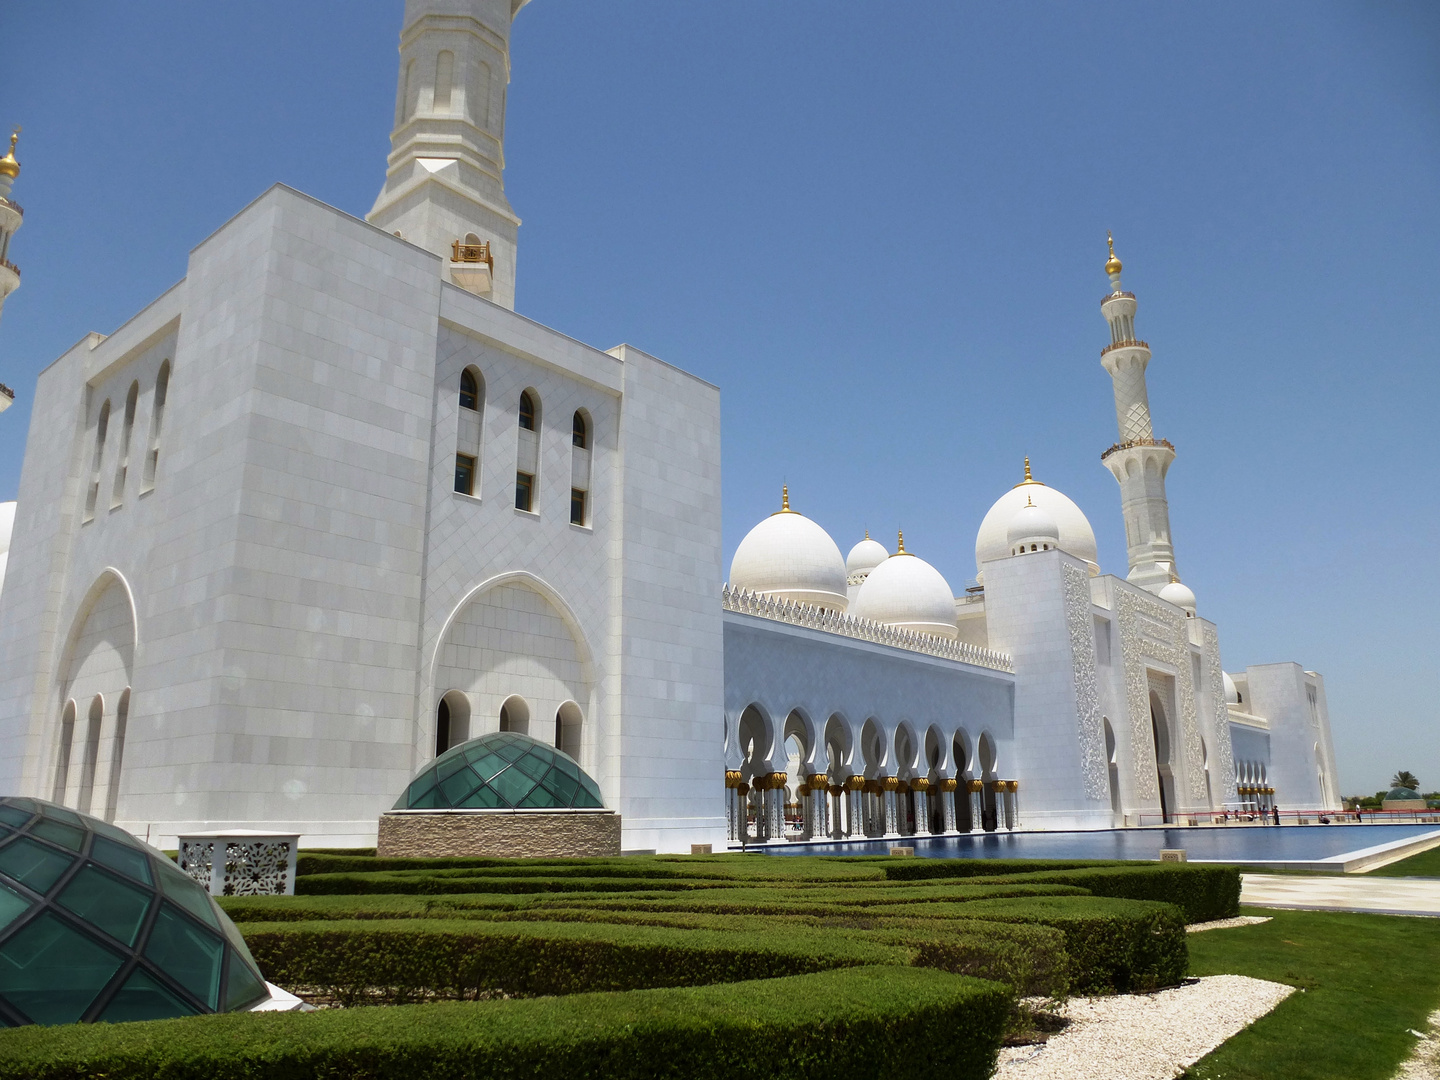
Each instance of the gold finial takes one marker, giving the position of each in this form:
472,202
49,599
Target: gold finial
1112,266
1028,502
8,165
1028,478
867,532
784,501
900,544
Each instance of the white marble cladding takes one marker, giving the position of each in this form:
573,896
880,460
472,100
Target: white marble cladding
800,614
295,568
856,704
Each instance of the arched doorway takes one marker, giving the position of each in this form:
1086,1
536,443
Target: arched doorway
989,816
1113,766
964,770
1164,774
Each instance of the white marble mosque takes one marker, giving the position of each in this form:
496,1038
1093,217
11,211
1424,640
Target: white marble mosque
330,506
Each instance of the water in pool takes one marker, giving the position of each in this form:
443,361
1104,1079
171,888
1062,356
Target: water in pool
1284,843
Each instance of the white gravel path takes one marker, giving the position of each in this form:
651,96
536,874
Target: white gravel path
1144,1036
1424,1061
1226,924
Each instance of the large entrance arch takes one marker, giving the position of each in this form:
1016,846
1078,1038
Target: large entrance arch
1165,774
93,704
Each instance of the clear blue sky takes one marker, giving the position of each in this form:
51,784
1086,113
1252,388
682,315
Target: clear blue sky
880,229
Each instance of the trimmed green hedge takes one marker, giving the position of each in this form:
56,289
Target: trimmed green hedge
1123,945
853,1023
1203,891
410,959
469,881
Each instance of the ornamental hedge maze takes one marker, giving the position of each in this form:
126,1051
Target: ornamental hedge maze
655,966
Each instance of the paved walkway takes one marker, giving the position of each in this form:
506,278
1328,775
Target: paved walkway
1391,896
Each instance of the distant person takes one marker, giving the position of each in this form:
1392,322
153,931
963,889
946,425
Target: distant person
1276,811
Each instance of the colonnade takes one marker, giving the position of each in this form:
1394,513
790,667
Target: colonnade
855,807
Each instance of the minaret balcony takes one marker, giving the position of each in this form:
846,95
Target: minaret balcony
1130,444
1128,343
11,204
1116,296
7,397
9,278
472,267
11,216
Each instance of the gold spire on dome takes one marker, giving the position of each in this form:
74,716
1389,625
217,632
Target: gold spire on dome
1028,478
8,165
901,544
784,501
1113,265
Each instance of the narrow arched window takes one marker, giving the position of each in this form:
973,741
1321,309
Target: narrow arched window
92,496
122,464
580,453
157,417
468,431
117,755
527,453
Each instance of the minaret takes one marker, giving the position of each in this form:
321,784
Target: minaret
444,186
11,218
1139,460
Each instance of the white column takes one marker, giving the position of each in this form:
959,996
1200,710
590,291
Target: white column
922,813
947,804
892,822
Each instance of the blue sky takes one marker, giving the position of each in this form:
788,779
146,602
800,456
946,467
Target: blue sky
880,229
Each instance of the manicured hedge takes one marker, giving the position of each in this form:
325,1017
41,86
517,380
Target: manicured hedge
920,869
857,1023
1203,892
409,959
465,881
1124,945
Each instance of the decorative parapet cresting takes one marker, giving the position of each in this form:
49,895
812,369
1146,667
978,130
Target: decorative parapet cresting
744,602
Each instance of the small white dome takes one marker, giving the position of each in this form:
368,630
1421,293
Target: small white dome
789,556
907,592
1076,536
1232,692
1032,524
865,556
1179,595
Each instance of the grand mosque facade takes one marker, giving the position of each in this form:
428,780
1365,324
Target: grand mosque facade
329,506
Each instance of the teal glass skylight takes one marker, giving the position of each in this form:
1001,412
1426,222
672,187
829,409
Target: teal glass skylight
95,925
502,771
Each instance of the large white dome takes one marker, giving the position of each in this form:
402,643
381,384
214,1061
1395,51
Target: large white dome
865,556
1076,536
907,592
1033,525
789,556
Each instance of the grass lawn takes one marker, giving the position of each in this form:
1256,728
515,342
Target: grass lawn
1425,864
1366,980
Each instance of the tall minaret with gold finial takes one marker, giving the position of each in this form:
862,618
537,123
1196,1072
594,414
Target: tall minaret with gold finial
11,218
444,183
1139,460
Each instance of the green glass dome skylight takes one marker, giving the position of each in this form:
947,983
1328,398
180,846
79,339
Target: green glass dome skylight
95,925
502,771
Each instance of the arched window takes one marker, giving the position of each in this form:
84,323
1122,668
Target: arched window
468,431
580,452
527,453
567,729
92,754
93,495
515,716
122,464
62,757
403,107
117,753
157,416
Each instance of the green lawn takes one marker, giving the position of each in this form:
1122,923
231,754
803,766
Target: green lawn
1365,980
1425,864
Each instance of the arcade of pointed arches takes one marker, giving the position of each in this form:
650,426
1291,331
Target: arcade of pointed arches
799,780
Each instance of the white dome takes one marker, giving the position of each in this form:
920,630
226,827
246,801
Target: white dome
1076,536
907,592
1232,692
1179,595
789,556
865,556
1032,524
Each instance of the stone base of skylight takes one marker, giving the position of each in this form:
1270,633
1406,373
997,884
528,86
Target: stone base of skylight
498,833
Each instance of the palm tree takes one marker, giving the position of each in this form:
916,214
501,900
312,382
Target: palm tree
1406,779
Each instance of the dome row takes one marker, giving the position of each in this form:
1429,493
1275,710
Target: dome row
789,556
